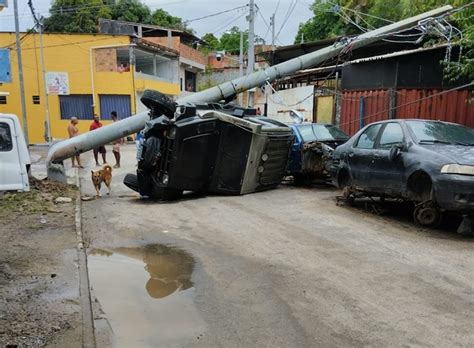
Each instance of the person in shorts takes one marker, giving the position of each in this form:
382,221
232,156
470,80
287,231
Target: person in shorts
117,143
74,131
101,149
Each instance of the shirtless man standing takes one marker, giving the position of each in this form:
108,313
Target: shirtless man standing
73,131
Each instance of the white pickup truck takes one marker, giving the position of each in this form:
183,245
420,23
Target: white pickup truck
14,156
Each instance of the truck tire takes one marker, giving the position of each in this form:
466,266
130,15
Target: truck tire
131,181
158,103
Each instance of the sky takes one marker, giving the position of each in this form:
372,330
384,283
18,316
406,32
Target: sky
192,9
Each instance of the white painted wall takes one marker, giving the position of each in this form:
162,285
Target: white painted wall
279,111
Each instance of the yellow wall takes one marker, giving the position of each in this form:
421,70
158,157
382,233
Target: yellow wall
66,53
324,109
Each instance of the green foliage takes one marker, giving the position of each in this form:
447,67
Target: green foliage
82,16
465,66
230,41
131,11
78,16
164,19
327,23
211,41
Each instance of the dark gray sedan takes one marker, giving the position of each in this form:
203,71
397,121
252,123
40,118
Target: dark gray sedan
428,162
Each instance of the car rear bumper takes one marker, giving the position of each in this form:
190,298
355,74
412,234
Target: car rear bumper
455,192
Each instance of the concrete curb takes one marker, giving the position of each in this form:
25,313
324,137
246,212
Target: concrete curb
88,335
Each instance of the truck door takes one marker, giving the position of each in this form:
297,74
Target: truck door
12,171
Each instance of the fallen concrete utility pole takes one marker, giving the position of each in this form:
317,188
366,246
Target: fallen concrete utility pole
87,141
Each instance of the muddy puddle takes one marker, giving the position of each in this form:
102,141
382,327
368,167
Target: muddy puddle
147,295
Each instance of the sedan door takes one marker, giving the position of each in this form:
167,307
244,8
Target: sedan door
360,157
389,173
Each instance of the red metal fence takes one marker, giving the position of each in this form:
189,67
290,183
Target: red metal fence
454,106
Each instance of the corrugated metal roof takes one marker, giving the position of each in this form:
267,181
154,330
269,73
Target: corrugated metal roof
396,54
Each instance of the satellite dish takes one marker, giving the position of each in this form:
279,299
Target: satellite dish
296,116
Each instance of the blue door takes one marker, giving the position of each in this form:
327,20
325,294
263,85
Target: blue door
119,103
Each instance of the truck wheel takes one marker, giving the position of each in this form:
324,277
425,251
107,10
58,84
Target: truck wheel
158,103
427,215
131,181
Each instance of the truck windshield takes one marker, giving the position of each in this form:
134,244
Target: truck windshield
427,132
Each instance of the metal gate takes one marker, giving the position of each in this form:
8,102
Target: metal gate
77,105
119,103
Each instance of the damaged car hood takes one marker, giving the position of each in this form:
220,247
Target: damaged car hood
456,153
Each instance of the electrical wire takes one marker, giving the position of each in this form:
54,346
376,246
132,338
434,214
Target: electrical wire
287,16
214,14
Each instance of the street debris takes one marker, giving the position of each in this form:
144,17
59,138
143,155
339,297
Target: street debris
59,200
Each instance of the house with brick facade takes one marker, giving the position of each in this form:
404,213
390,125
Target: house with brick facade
191,61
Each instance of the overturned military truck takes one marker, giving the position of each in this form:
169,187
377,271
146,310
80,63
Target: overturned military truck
200,144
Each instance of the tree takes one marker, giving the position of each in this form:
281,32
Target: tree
230,41
131,11
82,16
325,24
164,19
211,41
332,20
78,16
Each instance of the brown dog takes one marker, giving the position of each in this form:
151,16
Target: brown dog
103,175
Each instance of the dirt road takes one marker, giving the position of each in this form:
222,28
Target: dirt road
39,285
283,268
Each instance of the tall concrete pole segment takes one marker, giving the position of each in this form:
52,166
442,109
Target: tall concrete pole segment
20,71
272,23
130,125
251,48
241,63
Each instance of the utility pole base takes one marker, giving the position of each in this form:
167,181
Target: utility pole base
57,172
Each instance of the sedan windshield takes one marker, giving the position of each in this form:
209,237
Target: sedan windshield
321,132
428,132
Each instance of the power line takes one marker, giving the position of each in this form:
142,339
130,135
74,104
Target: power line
226,25
214,14
288,14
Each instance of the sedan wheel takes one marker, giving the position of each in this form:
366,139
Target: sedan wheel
427,215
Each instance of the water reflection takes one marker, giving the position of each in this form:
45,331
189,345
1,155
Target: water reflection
170,268
162,314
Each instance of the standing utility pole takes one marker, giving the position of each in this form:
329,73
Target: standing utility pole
48,137
241,64
20,71
272,23
251,52
47,122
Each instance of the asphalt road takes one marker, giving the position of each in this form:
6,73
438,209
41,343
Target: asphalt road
283,268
